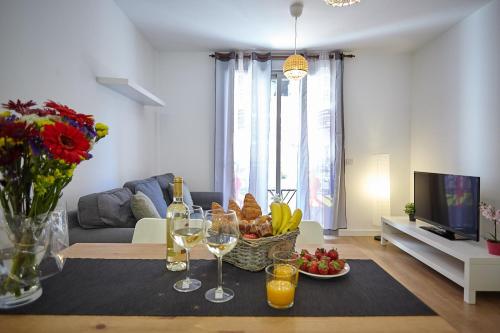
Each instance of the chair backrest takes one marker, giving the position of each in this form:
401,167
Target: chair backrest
150,230
311,232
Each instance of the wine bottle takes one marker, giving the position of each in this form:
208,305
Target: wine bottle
175,211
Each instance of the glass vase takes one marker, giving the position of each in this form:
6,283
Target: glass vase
30,250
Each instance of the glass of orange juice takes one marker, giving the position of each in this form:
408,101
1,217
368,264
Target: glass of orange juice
287,257
281,282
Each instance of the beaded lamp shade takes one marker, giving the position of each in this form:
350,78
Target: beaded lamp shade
341,3
295,67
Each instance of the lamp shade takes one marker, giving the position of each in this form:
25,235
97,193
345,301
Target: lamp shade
341,3
295,67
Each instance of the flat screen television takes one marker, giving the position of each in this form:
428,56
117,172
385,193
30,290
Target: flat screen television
449,202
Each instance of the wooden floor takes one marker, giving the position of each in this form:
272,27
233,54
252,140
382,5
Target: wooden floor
442,295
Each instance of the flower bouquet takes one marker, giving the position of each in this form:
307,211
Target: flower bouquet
492,215
40,148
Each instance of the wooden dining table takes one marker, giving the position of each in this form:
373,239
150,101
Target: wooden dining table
230,324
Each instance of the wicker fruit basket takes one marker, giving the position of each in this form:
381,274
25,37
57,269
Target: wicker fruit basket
255,254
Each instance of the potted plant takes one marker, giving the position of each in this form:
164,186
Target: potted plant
491,214
40,147
410,211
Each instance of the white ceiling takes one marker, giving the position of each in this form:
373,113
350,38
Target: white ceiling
201,25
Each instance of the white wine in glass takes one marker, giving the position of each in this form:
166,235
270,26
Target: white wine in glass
187,233
222,232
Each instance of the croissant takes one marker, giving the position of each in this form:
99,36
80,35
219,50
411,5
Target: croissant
251,209
233,205
217,208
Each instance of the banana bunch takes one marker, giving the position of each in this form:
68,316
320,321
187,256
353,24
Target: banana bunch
282,218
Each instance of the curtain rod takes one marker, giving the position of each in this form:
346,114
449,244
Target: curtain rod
283,57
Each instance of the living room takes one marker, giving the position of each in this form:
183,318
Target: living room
385,98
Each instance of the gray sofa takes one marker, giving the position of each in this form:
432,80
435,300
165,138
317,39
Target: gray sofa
106,217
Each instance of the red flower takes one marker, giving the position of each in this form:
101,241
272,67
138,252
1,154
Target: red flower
65,111
66,142
26,108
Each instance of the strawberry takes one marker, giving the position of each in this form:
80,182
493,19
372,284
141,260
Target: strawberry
320,252
306,254
312,267
333,267
326,259
303,263
333,254
323,268
341,263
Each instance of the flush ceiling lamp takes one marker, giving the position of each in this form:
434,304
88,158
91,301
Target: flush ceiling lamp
341,3
295,66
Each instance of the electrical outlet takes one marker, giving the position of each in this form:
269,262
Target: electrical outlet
349,161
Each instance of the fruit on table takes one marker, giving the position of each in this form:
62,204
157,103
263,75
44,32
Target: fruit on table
276,216
321,263
323,268
250,236
333,254
286,214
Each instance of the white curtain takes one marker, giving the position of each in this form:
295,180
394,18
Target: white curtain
247,98
320,190
224,125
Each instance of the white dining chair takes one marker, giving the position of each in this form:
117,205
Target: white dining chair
311,232
150,230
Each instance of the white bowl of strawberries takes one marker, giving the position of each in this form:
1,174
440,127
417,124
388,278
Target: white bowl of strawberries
322,264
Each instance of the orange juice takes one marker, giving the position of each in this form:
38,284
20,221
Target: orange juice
280,293
285,272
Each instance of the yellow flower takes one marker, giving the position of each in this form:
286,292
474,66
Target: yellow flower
6,142
5,114
43,121
101,130
101,126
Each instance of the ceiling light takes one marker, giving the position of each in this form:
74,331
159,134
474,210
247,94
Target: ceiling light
295,66
341,3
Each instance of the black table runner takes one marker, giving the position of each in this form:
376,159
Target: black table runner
144,288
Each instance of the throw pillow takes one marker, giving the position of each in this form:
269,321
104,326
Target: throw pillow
186,194
151,188
143,207
106,209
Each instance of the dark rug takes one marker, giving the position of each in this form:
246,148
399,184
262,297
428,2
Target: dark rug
144,288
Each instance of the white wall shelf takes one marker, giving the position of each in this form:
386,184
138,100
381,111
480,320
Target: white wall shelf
131,89
467,263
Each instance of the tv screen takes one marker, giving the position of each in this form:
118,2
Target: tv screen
450,202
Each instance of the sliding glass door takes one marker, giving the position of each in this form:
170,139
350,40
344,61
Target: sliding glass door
284,138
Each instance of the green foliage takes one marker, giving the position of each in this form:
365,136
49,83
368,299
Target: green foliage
409,208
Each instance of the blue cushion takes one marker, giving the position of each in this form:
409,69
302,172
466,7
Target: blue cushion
164,180
152,190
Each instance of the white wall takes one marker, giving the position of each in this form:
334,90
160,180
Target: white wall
54,50
456,102
186,82
377,121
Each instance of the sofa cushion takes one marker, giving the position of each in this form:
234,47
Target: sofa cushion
151,188
186,194
143,207
106,209
163,181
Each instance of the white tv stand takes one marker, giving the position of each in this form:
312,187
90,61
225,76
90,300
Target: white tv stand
467,263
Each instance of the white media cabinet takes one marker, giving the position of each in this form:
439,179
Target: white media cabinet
467,263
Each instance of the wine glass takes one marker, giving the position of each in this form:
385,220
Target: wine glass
187,233
221,237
